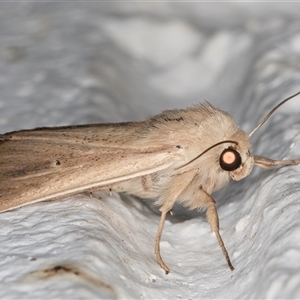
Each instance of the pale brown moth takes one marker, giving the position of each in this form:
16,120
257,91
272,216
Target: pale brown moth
180,155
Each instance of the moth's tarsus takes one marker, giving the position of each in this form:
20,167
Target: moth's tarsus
225,253
157,242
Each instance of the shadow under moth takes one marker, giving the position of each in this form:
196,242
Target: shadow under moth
180,155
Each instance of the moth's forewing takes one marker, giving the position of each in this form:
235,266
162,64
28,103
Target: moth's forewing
49,163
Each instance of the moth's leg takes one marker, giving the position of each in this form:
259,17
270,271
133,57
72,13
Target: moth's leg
167,200
213,220
157,242
265,162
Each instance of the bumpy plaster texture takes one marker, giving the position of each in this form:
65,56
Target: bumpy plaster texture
75,63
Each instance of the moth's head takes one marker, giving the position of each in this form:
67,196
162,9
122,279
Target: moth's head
233,155
237,158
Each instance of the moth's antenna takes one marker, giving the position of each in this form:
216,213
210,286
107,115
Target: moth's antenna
209,148
271,112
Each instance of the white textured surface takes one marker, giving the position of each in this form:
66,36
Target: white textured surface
71,63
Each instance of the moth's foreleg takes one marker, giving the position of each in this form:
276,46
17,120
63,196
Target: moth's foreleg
213,220
265,162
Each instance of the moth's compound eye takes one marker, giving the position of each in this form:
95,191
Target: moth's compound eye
230,160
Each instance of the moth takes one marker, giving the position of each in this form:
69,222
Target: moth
180,155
